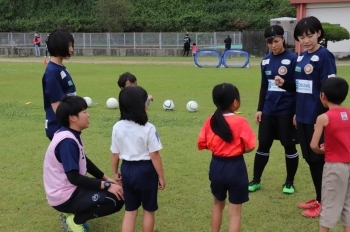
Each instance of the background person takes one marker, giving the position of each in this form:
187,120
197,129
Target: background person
187,44
228,42
37,43
47,54
128,79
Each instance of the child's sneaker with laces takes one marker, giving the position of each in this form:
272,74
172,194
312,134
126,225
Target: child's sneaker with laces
313,212
308,205
75,227
288,188
253,186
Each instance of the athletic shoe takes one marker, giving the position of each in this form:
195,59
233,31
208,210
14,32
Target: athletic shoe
288,188
308,205
313,212
253,186
75,227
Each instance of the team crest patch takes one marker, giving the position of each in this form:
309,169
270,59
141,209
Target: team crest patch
282,70
308,69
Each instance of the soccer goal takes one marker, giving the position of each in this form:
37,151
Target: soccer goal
230,59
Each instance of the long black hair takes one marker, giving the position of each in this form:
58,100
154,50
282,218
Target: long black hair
223,96
132,104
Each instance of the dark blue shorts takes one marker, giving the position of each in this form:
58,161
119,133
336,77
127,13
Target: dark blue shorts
229,175
140,185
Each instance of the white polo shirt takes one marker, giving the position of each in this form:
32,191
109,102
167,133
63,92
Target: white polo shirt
134,142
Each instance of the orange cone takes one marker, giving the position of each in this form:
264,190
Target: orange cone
45,62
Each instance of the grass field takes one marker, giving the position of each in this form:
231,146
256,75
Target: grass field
185,204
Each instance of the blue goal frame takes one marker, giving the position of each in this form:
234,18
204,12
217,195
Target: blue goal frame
213,52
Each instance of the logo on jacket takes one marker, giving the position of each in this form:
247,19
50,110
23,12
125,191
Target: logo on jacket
308,69
344,116
95,197
282,70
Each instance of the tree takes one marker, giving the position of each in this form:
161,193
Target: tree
112,15
334,33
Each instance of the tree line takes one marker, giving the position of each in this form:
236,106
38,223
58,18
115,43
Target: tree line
140,15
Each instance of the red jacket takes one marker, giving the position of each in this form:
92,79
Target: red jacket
36,41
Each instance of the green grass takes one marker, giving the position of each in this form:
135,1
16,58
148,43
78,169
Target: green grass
185,204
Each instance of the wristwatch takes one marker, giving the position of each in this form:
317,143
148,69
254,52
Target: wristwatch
107,185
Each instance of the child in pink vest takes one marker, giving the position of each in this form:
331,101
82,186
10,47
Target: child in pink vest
67,188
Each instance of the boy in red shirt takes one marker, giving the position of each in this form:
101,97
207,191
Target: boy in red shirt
335,124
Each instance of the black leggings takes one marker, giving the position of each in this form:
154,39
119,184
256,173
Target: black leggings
315,161
316,171
186,49
88,204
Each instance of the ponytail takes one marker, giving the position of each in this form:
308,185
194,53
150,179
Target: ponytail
220,127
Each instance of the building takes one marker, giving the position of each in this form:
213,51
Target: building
331,11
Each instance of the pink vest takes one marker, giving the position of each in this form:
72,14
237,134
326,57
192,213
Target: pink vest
57,187
337,136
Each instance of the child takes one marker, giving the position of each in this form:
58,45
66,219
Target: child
228,137
67,187
336,173
315,65
194,49
57,81
136,142
276,109
127,79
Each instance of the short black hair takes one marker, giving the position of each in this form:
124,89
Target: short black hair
335,89
58,42
132,104
308,25
124,78
69,105
223,96
274,31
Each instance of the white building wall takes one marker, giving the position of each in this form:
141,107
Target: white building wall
334,13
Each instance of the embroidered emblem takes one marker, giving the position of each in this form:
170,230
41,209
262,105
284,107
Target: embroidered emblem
282,70
308,69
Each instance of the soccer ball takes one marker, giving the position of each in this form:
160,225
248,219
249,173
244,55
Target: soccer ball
112,103
168,105
192,106
88,101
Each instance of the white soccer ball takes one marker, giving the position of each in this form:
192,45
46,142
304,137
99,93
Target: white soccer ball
88,101
192,106
168,105
112,103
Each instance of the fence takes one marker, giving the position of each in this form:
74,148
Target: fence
130,40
